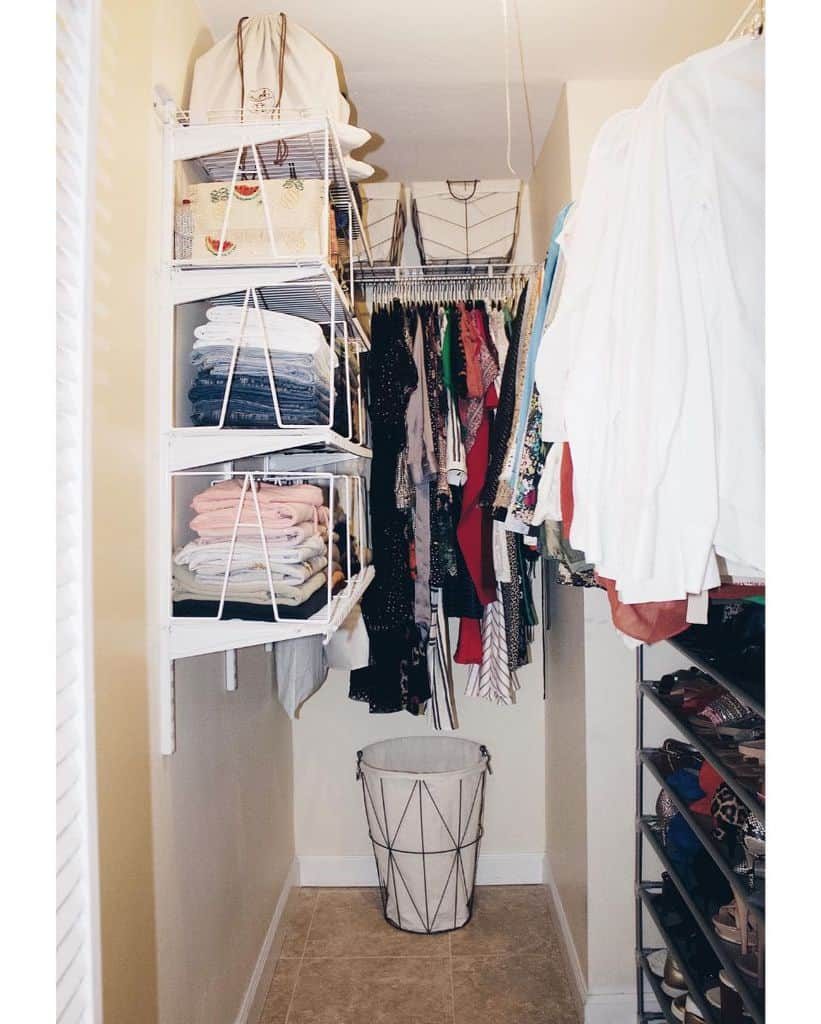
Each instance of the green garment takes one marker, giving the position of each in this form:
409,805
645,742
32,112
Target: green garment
447,370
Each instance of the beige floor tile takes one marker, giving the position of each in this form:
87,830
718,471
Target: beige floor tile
349,922
296,921
507,920
373,990
278,999
511,990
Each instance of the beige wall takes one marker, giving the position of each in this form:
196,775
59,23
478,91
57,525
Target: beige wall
223,825
590,708
332,728
566,762
550,187
194,849
589,105
118,438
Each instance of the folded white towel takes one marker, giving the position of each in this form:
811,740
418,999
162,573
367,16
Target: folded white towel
280,322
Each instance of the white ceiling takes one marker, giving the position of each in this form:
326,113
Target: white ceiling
426,77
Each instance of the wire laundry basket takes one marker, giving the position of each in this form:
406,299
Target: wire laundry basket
424,802
466,221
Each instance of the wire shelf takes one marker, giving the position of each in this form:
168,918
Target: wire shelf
345,494
298,144
312,292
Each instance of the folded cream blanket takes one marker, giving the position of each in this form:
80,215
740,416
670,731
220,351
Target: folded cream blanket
248,551
186,587
287,536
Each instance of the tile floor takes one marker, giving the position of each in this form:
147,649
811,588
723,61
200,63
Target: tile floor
341,963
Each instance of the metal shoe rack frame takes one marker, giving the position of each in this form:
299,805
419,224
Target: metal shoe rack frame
306,287
647,889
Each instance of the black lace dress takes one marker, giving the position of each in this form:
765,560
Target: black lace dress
396,678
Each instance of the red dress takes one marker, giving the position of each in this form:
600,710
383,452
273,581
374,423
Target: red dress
474,535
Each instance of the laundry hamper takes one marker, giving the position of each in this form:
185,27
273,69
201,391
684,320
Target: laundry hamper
424,799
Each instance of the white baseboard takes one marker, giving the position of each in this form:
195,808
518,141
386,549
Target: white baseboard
599,1007
571,953
494,869
610,1008
251,1009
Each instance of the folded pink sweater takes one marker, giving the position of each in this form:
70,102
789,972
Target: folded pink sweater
226,494
274,516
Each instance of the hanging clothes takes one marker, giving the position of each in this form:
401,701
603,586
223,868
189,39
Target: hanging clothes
434,378
396,677
659,335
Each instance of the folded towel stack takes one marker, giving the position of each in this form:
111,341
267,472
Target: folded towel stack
295,524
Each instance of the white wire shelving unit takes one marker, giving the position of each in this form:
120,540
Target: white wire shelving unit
190,636
316,286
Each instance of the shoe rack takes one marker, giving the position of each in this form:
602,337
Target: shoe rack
671,906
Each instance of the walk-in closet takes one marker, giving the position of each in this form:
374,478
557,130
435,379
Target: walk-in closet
427,485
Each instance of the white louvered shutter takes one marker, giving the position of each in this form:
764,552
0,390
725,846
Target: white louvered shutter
78,958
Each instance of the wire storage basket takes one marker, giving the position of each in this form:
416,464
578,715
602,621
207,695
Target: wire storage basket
384,217
424,803
466,221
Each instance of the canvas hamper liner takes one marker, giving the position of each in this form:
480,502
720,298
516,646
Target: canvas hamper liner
424,798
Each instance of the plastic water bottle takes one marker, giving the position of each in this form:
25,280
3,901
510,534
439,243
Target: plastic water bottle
183,230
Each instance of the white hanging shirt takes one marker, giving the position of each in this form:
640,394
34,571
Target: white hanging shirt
653,367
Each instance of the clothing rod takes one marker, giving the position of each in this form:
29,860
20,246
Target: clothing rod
424,267
460,272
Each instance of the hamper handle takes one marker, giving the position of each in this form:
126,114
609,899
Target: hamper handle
358,765
486,755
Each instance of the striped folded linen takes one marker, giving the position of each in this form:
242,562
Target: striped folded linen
286,536
187,587
248,551
256,576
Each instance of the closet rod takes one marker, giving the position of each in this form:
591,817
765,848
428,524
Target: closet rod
447,272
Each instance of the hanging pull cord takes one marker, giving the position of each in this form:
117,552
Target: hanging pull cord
241,65
282,145
507,88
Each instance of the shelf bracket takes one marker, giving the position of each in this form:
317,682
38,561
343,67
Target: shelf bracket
231,671
168,708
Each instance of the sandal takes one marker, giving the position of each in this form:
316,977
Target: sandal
750,727
678,1005
673,983
732,924
692,1014
753,749
725,998
752,964
721,711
